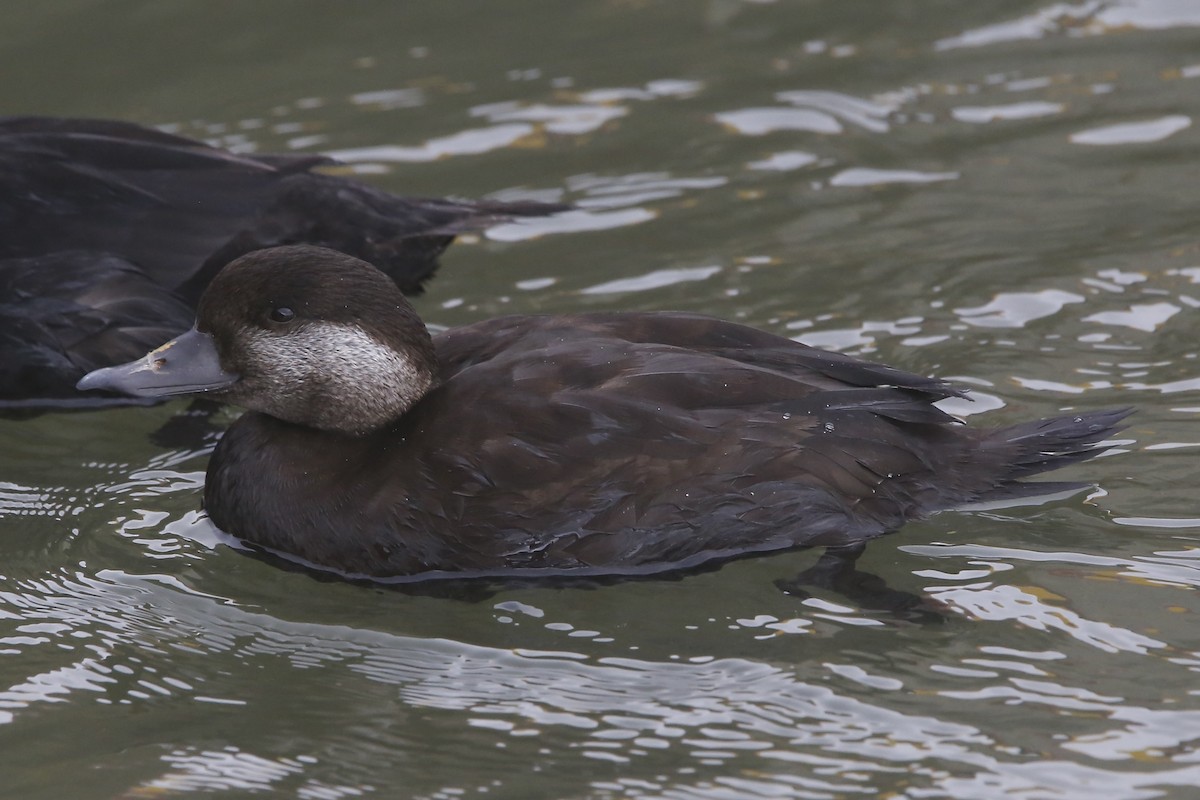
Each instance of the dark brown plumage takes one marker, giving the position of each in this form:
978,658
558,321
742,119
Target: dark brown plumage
110,232
587,444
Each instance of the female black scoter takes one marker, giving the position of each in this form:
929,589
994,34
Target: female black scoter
591,444
109,232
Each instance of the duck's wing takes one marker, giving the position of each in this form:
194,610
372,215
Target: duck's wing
649,441
67,313
180,209
171,212
161,202
402,236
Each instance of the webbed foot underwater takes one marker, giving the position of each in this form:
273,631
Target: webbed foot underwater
591,444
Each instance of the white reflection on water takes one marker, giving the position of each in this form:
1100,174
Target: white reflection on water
1167,568
513,122
1153,130
137,639
653,280
870,115
785,161
1158,522
862,337
20,501
1006,602
1009,111
387,99
605,201
665,87
231,769
564,119
1087,18
863,176
468,142
1143,316
712,709
1062,779
761,121
812,111
576,221
1015,309
607,191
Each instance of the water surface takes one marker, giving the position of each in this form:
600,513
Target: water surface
1000,193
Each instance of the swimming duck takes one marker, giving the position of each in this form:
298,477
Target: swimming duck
109,233
589,444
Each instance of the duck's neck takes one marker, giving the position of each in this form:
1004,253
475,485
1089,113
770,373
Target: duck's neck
335,377
314,496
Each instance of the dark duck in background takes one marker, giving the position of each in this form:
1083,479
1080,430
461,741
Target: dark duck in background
592,444
110,232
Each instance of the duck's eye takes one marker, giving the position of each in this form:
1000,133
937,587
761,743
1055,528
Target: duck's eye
282,314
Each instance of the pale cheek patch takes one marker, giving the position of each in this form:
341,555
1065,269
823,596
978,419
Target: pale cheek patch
330,375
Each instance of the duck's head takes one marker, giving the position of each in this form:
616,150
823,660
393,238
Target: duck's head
304,334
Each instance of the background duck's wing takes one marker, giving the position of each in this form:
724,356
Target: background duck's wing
667,438
109,233
180,209
67,313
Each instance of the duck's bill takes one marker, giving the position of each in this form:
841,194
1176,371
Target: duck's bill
187,364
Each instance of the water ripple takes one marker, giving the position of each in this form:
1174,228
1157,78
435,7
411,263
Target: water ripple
463,143
653,280
1031,109
863,176
606,201
563,119
1153,130
1016,309
1087,18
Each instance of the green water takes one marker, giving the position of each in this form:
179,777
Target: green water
1003,193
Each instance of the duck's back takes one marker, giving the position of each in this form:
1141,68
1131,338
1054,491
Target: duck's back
623,444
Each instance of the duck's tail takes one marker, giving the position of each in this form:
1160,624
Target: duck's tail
1031,448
